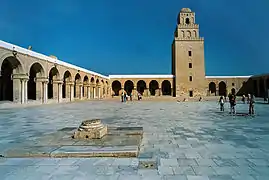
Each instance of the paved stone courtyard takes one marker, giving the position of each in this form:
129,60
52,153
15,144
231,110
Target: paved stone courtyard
182,141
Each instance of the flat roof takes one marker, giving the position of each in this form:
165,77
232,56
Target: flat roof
44,57
140,76
226,77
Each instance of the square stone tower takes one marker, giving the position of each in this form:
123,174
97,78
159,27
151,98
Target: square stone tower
188,65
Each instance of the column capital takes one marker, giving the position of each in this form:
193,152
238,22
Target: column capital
57,81
69,83
86,84
92,84
20,76
79,84
41,79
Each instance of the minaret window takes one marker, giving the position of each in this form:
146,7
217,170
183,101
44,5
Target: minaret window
190,65
191,93
190,54
187,21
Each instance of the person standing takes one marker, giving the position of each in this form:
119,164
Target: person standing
221,102
122,96
251,104
125,96
232,103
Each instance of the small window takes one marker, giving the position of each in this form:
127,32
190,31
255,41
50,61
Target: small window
190,54
190,65
187,21
191,93
232,84
190,78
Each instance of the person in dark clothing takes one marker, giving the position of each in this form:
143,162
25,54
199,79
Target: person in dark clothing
232,103
122,97
251,104
221,102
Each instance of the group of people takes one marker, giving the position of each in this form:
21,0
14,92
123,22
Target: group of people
232,101
124,96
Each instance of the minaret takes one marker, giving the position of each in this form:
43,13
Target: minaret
188,57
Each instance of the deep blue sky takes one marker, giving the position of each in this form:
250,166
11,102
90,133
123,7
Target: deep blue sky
135,36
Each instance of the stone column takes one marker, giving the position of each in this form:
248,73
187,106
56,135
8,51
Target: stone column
77,95
85,88
39,88
88,92
22,91
172,91
71,94
57,90
19,87
94,92
80,91
146,92
67,90
45,91
99,92
60,90
134,92
26,90
160,92
108,91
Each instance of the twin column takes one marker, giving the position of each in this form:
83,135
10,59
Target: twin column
20,89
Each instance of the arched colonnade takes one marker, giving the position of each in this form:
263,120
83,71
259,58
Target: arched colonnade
144,87
24,78
220,89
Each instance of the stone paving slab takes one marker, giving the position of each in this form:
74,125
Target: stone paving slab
95,151
120,142
186,141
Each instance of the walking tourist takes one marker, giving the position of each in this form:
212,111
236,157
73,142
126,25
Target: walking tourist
131,98
122,96
232,100
225,97
221,102
251,104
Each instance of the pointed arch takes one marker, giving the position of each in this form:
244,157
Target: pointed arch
212,88
77,82
166,88
153,86
53,75
116,87
222,89
141,86
9,66
67,77
128,87
36,70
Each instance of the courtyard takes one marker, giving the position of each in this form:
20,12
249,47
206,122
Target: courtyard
188,141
